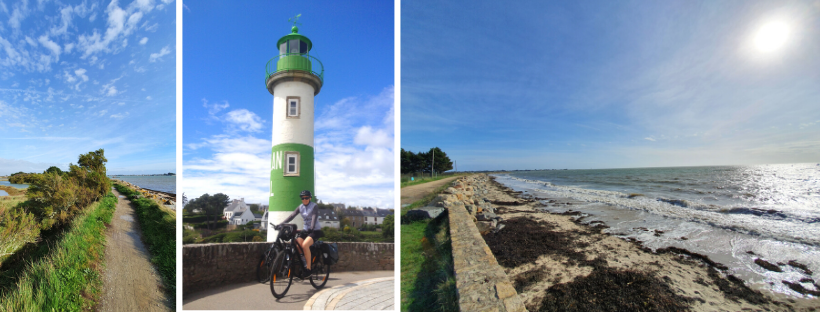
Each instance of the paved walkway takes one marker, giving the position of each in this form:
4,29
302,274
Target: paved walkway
347,287
372,294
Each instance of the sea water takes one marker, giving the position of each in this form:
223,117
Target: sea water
166,184
733,214
7,183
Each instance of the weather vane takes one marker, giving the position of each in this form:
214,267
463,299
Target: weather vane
295,19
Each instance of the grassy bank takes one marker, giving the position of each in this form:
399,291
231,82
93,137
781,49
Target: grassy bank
427,278
68,278
159,231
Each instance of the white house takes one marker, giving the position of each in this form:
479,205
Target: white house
238,213
327,218
381,213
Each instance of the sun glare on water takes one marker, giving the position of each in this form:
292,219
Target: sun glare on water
771,36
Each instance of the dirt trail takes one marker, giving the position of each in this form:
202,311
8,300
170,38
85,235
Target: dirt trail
411,194
131,282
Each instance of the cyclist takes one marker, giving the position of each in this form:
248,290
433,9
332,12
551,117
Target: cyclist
309,234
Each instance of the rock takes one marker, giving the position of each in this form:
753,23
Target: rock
486,216
424,213
484,227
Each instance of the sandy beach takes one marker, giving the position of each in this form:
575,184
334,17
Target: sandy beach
558,263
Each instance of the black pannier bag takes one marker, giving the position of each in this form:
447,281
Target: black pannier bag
330,253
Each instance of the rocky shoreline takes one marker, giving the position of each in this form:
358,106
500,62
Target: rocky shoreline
557,262
166,199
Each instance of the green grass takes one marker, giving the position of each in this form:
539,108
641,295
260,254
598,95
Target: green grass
68,278
405,181
427,277
159,231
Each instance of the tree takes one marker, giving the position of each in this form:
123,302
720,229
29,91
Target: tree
211,205
255,208
441,162
387,226
54,169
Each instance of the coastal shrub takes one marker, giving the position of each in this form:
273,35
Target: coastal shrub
17,228
52,198
20,178
387,226
189,236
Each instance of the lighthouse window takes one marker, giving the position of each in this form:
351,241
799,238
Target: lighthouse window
293,46
283,48
292,103
291,164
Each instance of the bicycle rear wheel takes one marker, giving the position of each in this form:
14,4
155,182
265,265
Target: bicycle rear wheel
281,276
321,272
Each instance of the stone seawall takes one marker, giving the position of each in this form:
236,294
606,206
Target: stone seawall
209,265
481,283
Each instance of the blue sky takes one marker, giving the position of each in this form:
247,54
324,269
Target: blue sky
606,84
227,110
87,75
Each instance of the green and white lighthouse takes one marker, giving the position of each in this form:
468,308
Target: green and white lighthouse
293,77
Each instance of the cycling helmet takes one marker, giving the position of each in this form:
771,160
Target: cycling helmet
305,193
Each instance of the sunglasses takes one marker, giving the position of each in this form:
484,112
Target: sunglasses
305,198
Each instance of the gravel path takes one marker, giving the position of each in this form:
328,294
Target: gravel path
131,283
411,194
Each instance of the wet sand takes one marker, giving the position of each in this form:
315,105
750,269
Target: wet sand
558,263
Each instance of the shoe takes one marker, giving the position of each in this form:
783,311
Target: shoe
305,273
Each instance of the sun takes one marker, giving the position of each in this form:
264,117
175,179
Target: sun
771,36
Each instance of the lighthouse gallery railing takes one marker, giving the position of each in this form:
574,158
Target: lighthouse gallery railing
294,61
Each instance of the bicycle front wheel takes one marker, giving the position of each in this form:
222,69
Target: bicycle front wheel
281,276
321,272
263,269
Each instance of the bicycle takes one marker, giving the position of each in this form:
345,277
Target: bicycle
263,270
287,264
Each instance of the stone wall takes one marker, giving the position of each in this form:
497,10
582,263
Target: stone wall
480,282
206,266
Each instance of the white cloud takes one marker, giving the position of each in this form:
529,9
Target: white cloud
65,21
244,120
119,116
120,22
81,74
143,40
109,89
158,56
51,45
148,98
649,139
214,108
378,138
19,14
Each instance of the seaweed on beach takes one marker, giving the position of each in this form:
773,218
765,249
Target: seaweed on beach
524,280
693,255
800,266
768,265
799,288
733,289
609,289
524,240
